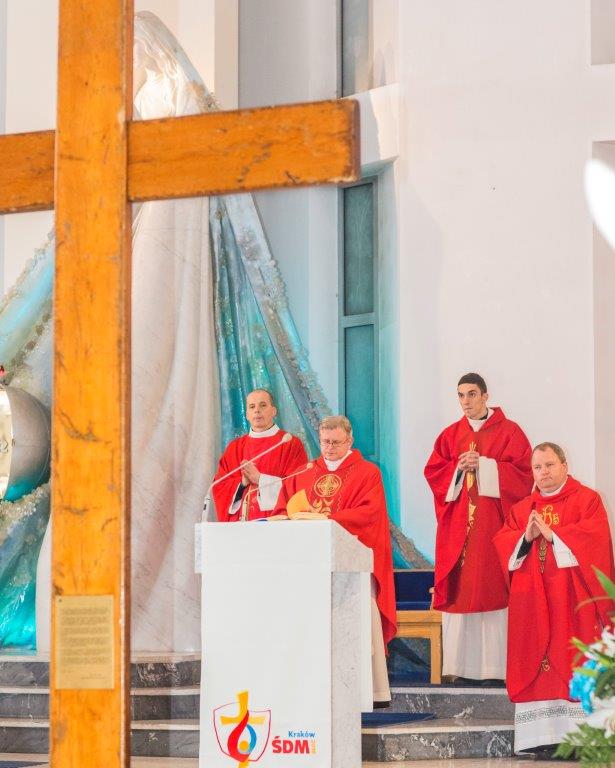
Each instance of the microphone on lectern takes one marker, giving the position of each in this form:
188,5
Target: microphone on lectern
309,465
210,516
277,480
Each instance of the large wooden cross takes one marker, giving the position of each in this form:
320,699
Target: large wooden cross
90,169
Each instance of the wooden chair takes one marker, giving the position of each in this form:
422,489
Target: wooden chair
416,617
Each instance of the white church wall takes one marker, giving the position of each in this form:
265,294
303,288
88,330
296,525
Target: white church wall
498,105
288,53
30,105
604,345
384,30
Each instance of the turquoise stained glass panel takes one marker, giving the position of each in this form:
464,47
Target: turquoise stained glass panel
359,249
359,370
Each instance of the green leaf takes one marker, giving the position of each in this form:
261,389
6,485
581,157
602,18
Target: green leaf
605,687
607,584
606,661
583,647
565,750
586,672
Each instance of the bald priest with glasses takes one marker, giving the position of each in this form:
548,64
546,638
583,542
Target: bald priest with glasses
343,486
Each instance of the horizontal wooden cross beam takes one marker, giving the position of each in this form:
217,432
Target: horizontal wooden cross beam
213,153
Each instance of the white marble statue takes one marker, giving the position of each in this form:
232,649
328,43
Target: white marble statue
175,393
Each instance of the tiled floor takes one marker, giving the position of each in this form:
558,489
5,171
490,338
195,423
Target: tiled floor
504,762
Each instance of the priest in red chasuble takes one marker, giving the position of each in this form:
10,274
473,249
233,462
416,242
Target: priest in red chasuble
251,492
547,547
343,486
479,467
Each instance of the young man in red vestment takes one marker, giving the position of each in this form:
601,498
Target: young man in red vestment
343,486
251,492
547,548
479,467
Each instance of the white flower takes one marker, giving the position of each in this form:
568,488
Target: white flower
608,640
603,715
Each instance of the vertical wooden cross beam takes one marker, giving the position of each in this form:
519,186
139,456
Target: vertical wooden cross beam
91,440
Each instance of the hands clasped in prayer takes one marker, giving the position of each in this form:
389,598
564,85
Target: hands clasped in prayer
468,461
536,527
249,473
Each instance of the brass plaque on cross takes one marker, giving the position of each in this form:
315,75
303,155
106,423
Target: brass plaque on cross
84,645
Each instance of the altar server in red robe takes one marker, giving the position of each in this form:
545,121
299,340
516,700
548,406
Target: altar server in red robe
547,548
479,467
343,486
251,493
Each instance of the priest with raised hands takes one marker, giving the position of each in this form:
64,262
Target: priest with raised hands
548,548
343,486
251,489
479,467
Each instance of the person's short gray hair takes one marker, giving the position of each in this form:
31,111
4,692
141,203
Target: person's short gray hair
335,422
557,450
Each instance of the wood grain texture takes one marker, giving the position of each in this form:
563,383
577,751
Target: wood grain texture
225,152
215,153
90,439
27,161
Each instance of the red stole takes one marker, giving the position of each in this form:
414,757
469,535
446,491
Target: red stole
280,462
544,612
353,496
467,574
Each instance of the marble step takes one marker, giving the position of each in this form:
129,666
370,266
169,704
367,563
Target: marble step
159,738
436,739
439,739
146,670
146,703
454,702
183,702
155,738
20,735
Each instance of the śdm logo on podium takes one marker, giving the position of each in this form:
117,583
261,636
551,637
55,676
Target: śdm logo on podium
242,734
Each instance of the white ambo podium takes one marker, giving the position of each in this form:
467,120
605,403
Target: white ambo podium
286,644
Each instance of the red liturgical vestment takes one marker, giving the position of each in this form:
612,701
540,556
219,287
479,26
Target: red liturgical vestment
353,496
278,463
468,577
544,612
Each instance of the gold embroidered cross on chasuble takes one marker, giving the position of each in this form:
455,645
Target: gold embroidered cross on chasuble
90,169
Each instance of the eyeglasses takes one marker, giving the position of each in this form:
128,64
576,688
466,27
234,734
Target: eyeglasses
333,443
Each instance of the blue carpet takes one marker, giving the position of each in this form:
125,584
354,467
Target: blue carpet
377,719
408,679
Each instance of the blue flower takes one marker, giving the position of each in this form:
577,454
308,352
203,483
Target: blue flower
582,686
